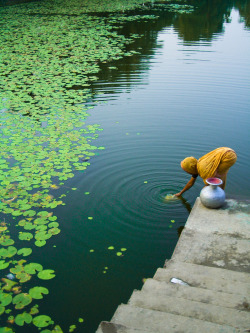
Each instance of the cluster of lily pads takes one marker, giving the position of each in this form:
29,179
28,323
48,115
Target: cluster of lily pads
50,54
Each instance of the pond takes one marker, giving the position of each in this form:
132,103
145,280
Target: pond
171,85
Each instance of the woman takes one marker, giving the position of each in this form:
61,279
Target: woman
214,164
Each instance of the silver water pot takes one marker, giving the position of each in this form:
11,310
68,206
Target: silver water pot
212,196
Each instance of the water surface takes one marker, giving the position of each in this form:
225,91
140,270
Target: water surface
187,93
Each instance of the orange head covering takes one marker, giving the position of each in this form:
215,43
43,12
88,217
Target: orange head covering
189,164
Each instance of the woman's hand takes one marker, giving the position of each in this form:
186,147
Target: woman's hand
178,194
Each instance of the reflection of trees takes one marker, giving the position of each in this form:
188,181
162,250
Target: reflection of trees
205,21
244,9
208,18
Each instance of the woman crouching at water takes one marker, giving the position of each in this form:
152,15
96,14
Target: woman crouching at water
214,164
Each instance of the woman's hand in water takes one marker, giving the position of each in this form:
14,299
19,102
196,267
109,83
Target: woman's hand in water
178,194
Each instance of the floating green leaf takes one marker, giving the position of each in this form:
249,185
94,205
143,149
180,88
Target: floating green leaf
5,299
25,251
23,318
21,300
8,252
32,268
36,292
5,329
46,274
40,243
8,284
25,236
42,321
3,264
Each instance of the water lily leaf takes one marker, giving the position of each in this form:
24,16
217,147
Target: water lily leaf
8,284
111,248
42,235
119,254
5,299
53,225
2,309
23,277
42,321
32,268
29,213
7,242
43,214
72,328
25,236
54,231
25,251
23,318
34,310
5,329
9,252
40,243
17,269
46,274
81,320
36,292
123,249
3,264
57,329
21,300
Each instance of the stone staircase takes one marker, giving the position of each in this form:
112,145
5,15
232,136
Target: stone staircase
211,294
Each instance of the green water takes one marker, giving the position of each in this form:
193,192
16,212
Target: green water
186,93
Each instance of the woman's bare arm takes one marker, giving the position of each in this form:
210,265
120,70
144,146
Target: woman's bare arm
187,187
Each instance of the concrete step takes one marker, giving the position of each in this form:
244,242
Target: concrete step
232,220
240,302
216,279
106,327
178,306
213,250
162,322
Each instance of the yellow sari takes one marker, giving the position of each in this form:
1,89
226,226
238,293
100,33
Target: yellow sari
218,162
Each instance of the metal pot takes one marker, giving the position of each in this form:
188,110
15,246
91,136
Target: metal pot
213,196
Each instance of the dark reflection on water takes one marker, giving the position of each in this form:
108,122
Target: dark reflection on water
185,94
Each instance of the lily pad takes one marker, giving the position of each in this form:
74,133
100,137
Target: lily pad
9,252
5,299
23,277
5,329
42,321
2,309
46,274
32,268
21,300
7,242
25,236
36,292
3,264
54,231
42,235
8,284
25,251
23,318
34,310
40,243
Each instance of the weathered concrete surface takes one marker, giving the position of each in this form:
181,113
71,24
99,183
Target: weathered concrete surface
218,238
212,259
